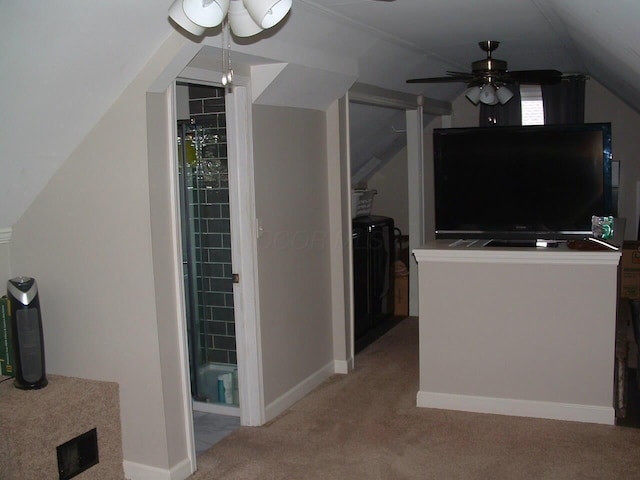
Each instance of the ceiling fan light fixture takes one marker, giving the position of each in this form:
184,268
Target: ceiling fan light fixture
473,95
488,95
487,78
241,23
267,13
504,94
206,13
177,14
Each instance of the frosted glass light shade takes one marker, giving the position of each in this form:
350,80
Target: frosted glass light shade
176,13
504,94
241,23
206,13
267,13
473,94
488,95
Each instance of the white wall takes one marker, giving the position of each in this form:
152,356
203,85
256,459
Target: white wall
87,240
532,333
168,280
602,106
5,269
293,254
391,183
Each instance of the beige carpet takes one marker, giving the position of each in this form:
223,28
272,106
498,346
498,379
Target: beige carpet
366,426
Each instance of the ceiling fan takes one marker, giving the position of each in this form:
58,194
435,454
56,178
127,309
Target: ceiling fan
489,76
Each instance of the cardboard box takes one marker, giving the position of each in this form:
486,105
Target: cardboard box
630,270
6,348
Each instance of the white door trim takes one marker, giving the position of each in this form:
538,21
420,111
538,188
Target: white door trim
244,252
416,188
347,231
165,197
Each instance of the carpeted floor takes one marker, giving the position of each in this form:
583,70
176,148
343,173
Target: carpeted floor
366,426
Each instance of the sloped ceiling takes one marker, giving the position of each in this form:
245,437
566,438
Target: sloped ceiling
66,61
377,134
63,64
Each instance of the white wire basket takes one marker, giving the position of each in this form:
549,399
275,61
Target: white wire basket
361,202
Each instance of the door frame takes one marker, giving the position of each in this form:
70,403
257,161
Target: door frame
244,253
415,107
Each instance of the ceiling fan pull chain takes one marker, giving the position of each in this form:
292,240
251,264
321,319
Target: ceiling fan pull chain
224,63
229,69
227,72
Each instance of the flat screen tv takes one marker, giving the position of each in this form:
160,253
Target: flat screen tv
521,182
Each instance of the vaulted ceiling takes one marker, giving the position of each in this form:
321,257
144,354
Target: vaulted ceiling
65,62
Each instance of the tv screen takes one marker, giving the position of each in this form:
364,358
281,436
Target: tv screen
521,182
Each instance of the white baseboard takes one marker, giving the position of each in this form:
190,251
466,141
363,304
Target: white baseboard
518,408
138,471
216,408
341,366
296,393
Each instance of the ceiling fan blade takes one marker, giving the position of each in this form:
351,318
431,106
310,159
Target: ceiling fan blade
449,79
541,77
461,74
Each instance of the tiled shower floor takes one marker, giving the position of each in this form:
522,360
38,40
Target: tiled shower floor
210,428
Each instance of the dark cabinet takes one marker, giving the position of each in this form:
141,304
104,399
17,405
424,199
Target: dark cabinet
373,258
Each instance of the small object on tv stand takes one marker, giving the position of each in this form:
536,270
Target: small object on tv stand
546,243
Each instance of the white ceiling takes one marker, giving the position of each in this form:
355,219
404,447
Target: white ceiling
587,36
66,61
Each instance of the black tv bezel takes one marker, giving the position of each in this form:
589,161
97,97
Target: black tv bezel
529,234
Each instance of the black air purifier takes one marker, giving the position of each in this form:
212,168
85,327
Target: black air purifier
28,339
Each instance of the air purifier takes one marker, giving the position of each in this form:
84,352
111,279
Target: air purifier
28,338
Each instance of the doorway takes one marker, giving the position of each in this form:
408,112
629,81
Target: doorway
379,178
206,250
205,227
234,196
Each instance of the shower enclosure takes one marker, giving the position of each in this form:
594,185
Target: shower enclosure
206,247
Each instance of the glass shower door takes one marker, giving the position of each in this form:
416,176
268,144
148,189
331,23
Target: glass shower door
206,246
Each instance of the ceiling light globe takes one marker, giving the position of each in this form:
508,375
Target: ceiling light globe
504,94
241,23
473,95
267,13
205,13
176,13
488,95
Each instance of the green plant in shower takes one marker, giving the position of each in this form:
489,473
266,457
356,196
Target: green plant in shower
192,152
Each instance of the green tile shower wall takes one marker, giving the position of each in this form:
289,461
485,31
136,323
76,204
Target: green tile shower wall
210,203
